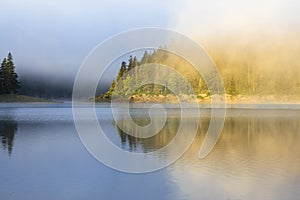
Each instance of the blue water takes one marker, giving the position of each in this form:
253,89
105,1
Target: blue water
42,157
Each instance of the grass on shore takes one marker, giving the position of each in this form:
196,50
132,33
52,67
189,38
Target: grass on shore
15,98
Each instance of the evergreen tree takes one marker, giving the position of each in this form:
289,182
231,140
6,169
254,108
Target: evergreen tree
145,58
130,64
3,76
120,77
135,62
122,71
108,94
8,77
14,84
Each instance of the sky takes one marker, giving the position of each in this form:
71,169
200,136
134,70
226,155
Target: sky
229,16
53,37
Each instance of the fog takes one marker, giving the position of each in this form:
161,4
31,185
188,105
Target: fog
49,40
256,42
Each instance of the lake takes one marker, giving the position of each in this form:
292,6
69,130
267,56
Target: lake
256,157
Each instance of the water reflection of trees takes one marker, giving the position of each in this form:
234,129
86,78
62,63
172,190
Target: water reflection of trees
251,143
257,151
152,143
248,136
8,129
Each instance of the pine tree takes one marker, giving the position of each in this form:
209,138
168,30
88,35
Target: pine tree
3,75
131,64
122,71
12,80
135,62
145,58
8,77
108,94
120,77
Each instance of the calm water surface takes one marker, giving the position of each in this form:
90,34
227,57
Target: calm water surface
41,157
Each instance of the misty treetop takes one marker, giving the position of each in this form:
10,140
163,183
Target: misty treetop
237,79
139,74
8,77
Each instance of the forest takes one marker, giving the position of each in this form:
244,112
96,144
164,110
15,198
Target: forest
268,69
240,75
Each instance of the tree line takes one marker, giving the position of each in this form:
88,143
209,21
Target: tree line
8,77
32,84
239,75
171,81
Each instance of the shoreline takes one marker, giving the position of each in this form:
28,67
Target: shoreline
16,98
229,100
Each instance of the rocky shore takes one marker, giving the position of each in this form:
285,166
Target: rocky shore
202,98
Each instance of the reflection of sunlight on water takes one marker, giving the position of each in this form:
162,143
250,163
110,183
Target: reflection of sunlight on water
255,158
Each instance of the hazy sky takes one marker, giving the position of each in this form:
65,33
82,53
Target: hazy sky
55,36
207,18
